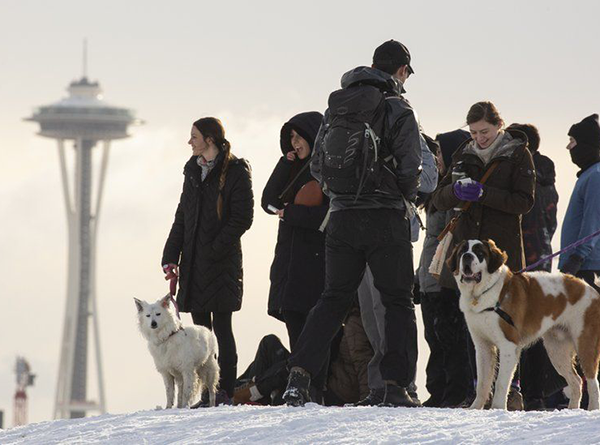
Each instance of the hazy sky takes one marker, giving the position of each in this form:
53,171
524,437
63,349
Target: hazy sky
254,65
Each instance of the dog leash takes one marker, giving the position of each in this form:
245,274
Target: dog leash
566,249
173,291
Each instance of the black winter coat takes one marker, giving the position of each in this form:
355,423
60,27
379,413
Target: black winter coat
208,250
540,223
298,269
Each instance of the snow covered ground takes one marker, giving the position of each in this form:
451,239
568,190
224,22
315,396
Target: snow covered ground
316,424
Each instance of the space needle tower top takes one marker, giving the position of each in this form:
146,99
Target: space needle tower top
83,115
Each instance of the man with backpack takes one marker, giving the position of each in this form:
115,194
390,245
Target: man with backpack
368,160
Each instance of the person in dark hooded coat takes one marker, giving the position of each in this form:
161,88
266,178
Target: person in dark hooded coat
214,211
539,379
298,269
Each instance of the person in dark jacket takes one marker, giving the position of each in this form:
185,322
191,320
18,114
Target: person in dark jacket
372,229
496,206
204,247
539,379
448,374
298,269
583,214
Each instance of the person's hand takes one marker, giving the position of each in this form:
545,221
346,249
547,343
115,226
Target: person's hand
572,265
468,190
280,213
170,271
291,155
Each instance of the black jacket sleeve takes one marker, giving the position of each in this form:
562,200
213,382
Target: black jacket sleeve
240,212
405,145
275,185
174,243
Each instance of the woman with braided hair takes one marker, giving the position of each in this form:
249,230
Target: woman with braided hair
215,209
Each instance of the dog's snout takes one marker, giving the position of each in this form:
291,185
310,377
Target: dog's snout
467,259
153,325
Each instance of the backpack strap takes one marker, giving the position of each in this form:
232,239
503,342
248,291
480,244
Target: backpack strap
452,224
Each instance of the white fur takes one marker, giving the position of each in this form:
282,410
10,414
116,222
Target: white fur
186,356
560,336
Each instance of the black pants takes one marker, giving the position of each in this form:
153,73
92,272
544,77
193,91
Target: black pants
268,370
294,323
355,238
220,323
449,377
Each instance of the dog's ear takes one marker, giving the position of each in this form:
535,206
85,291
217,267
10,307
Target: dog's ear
139,304
453,260
497,256
165,301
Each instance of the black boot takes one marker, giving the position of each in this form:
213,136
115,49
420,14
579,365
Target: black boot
297,391
397,396
374,398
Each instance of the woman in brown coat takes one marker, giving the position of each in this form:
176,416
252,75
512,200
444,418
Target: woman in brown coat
497,206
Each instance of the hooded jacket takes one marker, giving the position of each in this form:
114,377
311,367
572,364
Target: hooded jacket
508,193
207,249
401,138
298,269
540,223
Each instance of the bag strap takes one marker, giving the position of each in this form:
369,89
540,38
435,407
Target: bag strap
293,181
454,221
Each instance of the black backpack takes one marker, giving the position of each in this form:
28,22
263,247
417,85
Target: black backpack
352,157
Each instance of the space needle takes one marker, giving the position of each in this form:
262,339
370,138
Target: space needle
84,121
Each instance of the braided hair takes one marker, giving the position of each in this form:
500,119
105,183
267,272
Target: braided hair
211,127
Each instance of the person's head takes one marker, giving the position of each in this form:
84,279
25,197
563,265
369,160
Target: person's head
449,143
532,133
208,137
484,123
584,142
299,145
393,57
208,140
299,133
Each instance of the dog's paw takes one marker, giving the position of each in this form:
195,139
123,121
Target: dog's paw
158,408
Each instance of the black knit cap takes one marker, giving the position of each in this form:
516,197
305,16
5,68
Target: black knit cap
450,142
392,53
587,132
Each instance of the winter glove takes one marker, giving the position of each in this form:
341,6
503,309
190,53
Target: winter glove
170,271
468,190
572,265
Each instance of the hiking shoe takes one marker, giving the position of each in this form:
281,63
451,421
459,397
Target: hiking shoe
374,398
297,391
397,396
242,394
514,401
221,398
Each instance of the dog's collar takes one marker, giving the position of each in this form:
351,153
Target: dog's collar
173,333
503,315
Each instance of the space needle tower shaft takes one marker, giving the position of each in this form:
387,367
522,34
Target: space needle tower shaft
84,119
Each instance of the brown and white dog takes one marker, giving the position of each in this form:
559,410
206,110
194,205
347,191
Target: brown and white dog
507,312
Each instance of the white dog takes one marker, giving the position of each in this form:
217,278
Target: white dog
186,356
507,312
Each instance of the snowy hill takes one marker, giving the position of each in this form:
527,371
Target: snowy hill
316,424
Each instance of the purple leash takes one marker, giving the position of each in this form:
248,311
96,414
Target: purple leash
569,247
